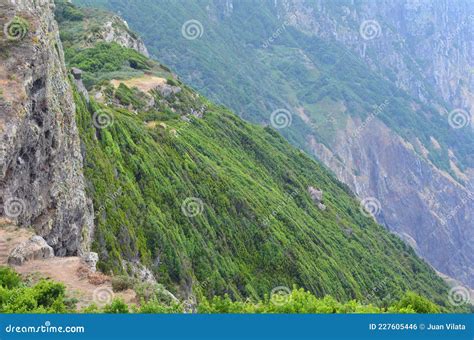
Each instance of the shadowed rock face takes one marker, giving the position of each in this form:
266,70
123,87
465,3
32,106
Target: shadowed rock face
41,180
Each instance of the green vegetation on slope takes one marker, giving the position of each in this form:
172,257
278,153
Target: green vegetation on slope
82,33
258,228
83,24
216,206
300,301
111,59
240,67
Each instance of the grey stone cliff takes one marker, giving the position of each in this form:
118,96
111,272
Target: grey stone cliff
41,180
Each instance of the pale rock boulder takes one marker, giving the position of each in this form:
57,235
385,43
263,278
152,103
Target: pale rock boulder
35,248
90,259
317,197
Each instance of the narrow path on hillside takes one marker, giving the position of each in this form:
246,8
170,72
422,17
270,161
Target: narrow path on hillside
87,287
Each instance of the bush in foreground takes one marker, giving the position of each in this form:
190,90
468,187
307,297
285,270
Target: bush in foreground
50,297
44,297
300,301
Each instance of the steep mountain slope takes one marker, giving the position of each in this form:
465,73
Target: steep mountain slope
184,188
376,90
214,205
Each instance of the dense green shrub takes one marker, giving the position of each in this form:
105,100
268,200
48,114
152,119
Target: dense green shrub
416,303
147,291
122,282
91,309
301,301
66,11
172,82
8,278
127,96
159,116
298,301
48,292
43,297
107,57
106,61
156,307
117,306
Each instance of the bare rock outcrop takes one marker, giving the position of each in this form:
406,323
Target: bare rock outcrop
116,30
317,197
168,90
90,259
316,194
41,179
139,271
77,77
34,249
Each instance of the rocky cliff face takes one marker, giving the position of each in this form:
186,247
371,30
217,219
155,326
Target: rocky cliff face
423,205
41,180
